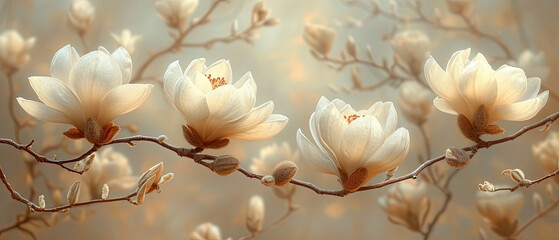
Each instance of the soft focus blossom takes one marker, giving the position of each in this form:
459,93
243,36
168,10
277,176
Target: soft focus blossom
406,203
270,156
255,214
206,231
80,15
415,101
411,47
87,92
215,109
354,145
320,38
500,209
109,167
14,50
126,40
472,89
459,6
534,64
547,153
175,12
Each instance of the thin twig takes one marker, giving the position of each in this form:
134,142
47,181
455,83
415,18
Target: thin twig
535,218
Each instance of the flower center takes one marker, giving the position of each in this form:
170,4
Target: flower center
351,118
216,82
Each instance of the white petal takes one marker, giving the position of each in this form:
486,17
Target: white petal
121,100
390,154
444,106
263,131
477,83
440,81
511,84
221,68
122,57
520,111
314,155
55,94
92,77
202,82
197,65
532,88
228,103
363,136
331,126
250,120
170,79
386,115
41,111
191,102
62,63
456,64
246,79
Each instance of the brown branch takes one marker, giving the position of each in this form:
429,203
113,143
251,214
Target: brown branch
528,183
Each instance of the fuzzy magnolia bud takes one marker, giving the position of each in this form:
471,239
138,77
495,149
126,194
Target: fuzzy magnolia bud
284,172
73,193
225,165
93,131
268,180
255,215
486,187
457,158
42,203
105,192
516,175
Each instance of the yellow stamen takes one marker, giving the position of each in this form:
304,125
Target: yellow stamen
216,82
351,118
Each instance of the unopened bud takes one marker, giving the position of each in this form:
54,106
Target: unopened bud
284,172
225,165
162,138
93,131
78,166
272,22
73,193
255,215
456,157
538,202
351,47
155,171
165,179
390,173
42,203
268,180
144,189
516,175
88,162
486,187
105,192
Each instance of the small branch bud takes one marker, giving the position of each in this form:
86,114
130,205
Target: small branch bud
268,180
225,165
42,203
165,179
105,192
457,158
516,175
284,172
73,193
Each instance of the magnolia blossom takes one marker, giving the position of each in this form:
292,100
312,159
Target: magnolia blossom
500,209
126,40
320,38
81,15
415,101
216,110
547,153
14,50
411,47
354,145
255,214
480,95
534,64
406,203
112,168
271,156
87,92
175,12
459,6
206,231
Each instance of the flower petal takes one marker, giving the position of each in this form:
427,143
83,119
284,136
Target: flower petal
519,111
56,95
331,126
263,131
122,57
314,155
62,63
191,102
363,136
390,154
511,82
440,81
457,63
121,100
250,120
477,83
532,88
444,106
387,116
246,79
43,112
221,68
197,65
202,82
172,75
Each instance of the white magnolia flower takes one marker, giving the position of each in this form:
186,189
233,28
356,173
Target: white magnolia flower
87,92
406,203
255,214
14,50
500,209
320,38
471,88
80,15
532,63
411,47
112,168
271,156
175,12
126,40
354,145
206,231
547,153
217,110
415,101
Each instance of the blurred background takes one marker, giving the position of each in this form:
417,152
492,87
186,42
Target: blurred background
289,75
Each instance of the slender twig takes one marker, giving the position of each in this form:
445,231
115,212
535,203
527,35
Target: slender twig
535,218
528,183
448,197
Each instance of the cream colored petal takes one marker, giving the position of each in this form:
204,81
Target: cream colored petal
92,77
221,68
250,120
314,155
197,65
363,136
55,94
43,112
172,75
314,127
386,115
191,102
478,85
122,57
263,131
123,99
331,126
62,62
532,89
511,84
202,82
456,64
390,154
228,103
440,81
520,111
444,106
246,79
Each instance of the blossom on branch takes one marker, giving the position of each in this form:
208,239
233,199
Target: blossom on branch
480,95
111,168
14,51
415,101
500,209
412,48
547,153
87,92
320,38
407,203
126,40
354,145
217,110
80,15
175,12
206,231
